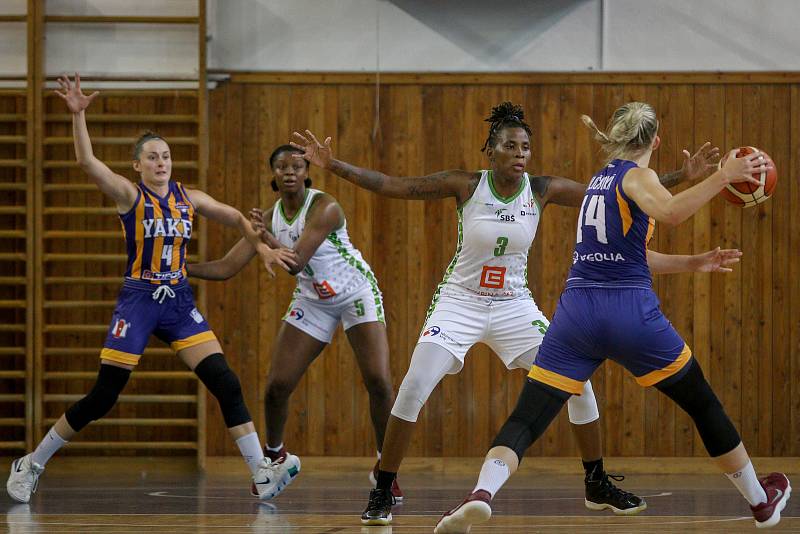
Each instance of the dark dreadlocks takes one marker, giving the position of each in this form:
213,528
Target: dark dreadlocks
506,115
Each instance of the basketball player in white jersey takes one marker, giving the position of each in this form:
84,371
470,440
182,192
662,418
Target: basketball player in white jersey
334,284
484,296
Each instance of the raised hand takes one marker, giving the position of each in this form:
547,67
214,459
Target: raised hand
72,94
717,260
314,152
701,163
742,169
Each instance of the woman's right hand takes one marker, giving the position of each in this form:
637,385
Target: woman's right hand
313,151
742,169
72,94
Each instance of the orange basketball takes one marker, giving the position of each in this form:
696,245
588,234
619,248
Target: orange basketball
745,194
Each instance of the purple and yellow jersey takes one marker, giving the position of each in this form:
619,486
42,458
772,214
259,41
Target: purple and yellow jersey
612,237
157,231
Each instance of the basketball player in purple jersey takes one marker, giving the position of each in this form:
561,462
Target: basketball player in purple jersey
484,296
157,216
609,310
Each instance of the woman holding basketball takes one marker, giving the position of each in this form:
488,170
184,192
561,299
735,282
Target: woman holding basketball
609,310
157,216
484,296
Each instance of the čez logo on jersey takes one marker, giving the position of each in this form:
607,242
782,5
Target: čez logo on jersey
120,328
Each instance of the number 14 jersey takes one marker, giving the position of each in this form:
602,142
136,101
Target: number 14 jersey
612,236
494,237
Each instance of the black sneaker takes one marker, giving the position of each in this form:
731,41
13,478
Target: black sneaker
601,494
379,509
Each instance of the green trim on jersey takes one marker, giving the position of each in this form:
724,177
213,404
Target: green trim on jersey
294,218
353,262
507,200
451,267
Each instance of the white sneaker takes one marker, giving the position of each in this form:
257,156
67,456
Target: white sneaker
273,477
24,478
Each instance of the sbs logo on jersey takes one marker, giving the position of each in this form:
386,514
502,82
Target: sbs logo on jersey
505,217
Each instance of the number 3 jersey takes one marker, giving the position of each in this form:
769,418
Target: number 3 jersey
494,237
612,235
336,268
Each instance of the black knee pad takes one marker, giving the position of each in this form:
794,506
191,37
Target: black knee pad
110,382
536,408
694,395
223,383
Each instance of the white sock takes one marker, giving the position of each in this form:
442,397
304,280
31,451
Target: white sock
251,451
275,449
494,474
48,447
379,456
747,483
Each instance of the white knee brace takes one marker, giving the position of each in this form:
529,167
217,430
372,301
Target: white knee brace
583,408
429,363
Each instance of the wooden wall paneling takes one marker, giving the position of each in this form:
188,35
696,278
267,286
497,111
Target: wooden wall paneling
708,288
779,279
682,297
354,114
426,128
732,392
242,327
763,136
223,299
752,349
794,272
275,293
441,125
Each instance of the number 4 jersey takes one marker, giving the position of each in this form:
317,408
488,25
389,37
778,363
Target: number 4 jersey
612,236
494,237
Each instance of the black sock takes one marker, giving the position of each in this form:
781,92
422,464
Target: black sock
385,479
593,469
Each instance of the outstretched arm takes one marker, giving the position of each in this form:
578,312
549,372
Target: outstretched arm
558,190
643,187
454,183
232,217
234,261
117,187
713,261
695,166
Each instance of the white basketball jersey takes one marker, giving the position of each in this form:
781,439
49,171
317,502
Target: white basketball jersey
494,237
336,268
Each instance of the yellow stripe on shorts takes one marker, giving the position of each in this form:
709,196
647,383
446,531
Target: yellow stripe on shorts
556,380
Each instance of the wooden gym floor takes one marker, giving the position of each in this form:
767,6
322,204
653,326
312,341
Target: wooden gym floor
124,495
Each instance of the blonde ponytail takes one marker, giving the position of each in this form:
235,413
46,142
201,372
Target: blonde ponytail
630,131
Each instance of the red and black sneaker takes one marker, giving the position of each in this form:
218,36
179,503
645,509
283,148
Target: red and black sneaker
397,493
777,487
476,508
